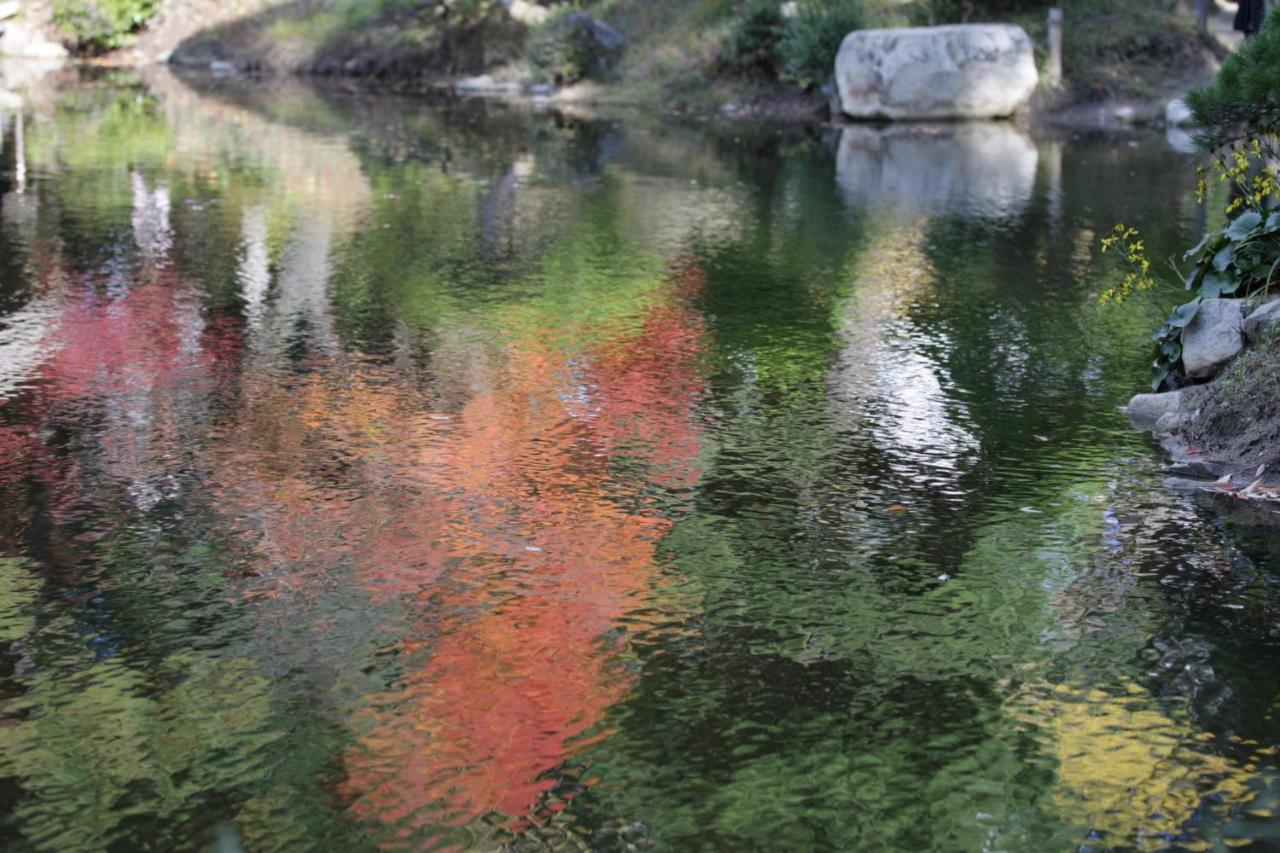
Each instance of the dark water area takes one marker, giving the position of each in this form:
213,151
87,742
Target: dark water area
379,474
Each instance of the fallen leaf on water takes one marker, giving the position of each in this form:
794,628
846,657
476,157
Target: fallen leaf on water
1041,438
897,508
1032,510
944,577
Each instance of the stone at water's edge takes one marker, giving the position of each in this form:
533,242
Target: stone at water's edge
959,71
1145,410
1213,337
19,40
1178,114
530,14
1261,324
485,85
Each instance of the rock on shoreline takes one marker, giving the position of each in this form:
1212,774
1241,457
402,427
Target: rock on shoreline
1230,424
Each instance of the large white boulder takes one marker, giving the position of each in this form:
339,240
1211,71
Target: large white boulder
959,71
1213,337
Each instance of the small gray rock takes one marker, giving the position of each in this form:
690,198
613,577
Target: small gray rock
1260,325
1184,484
1213,337
1145,410
1178,114
1197,469
485,84
1170,422
592,47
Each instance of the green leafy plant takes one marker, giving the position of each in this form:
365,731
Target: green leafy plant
811,39
1241,259
96,26
574,46
801,49
751,46
1239,114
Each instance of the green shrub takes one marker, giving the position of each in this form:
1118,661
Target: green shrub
100,25
574,46
1241,259
812,38
1239,114
801,49
1246,93
751,47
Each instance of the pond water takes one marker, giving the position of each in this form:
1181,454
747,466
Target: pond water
380,474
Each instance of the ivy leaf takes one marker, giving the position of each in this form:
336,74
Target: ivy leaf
1215,284
1184,314
1223,259
1200,247
1211,242
1196,276
1159,373
1244,225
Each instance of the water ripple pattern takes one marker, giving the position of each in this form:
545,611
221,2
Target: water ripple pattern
385,475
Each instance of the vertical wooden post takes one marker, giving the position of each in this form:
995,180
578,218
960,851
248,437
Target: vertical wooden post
20,153
1055,48
1202,16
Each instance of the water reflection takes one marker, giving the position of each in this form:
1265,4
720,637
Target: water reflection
423,477
971,168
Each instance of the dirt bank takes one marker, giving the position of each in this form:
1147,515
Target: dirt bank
1237,418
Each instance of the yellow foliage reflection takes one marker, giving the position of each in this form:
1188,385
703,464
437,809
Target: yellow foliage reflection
1126,770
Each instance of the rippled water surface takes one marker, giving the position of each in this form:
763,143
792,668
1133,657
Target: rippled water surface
379,474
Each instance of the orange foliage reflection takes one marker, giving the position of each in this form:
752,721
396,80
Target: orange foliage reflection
554,561
517,526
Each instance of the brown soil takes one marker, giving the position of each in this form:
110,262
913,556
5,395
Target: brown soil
1239,420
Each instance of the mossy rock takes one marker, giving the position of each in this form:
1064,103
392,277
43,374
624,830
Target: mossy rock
576,46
